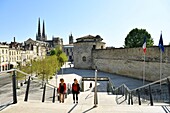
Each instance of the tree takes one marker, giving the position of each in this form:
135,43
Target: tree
135,38
53,52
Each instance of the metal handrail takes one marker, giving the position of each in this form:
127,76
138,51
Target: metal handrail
150,84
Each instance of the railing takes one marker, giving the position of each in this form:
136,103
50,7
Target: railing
8,86
157,93
28,86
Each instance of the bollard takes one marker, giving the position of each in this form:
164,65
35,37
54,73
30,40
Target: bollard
138,96
54,96
14,88
150,93
43,97
27,90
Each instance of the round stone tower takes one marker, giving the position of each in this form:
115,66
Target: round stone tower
82,51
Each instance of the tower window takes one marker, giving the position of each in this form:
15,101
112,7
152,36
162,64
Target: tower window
84,58
94,46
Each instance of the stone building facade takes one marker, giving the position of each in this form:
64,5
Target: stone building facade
82,50
14,53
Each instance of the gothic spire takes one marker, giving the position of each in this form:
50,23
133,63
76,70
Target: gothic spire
39,29
43,30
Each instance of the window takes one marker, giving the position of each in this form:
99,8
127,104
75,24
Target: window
2,51
84,58
101,47
6,51
94,46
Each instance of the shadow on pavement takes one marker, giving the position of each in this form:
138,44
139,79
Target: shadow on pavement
89,109
5,105
72,108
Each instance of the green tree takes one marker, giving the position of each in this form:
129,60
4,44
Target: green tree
53,52
135,38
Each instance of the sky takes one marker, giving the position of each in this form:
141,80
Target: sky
111,19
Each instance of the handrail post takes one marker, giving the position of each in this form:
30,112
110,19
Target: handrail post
14,88
43,97
122,90
125,94
95,92
131,98
54,96
27,90
168,88
150,93
138,92
108,87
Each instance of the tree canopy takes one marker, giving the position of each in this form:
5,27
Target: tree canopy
135,38
47,67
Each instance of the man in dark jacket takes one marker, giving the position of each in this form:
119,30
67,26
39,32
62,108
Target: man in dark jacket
75,90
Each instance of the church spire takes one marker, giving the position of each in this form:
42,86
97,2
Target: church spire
39,29
43,30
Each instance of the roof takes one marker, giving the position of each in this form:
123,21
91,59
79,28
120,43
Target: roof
89,38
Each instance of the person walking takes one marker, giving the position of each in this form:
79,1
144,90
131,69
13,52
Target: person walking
75,90
62,90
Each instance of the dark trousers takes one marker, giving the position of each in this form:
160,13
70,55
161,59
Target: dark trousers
75,94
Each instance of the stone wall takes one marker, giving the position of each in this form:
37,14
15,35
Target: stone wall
129,62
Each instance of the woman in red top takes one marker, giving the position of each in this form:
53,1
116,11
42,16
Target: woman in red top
62,90
75,90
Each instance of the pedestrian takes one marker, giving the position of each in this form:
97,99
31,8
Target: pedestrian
62,90
75,90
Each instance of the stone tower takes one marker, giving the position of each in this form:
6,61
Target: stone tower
71,39
83,48
38,35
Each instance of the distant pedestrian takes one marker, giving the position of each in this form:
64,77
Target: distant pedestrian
62,90
75,90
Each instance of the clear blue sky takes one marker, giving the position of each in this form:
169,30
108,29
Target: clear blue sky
111,19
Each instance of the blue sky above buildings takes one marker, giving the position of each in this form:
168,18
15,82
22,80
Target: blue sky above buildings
111,19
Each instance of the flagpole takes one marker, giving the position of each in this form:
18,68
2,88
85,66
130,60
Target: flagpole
144,70
160,67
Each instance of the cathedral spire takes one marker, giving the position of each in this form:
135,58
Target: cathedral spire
39,29
43,30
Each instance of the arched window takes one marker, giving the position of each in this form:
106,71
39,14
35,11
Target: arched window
84,58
